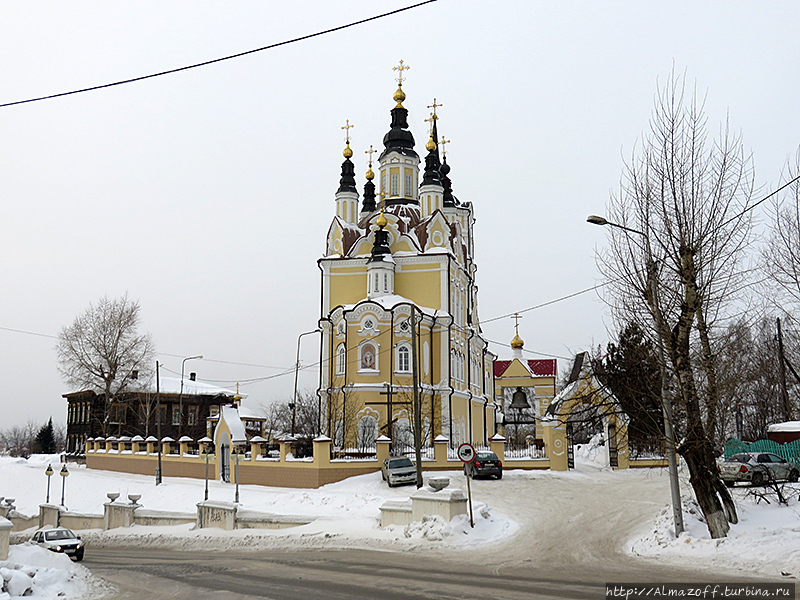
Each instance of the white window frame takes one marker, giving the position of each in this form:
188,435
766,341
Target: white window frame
403,355
341,359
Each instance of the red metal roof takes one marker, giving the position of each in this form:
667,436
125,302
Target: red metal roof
541,367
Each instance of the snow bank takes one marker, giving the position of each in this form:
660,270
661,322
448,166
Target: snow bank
33,572
766,539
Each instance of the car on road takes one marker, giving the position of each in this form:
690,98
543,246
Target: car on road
398,470
486,464
60,539
757,468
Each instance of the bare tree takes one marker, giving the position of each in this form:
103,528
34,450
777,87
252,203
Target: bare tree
674,265
19,440
102,349
782,255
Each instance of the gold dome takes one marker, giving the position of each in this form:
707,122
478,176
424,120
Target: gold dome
381,222
517,342
370,174
347,152
399,96
431,145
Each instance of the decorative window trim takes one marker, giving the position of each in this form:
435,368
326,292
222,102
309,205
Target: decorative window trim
369,325
341,359
402,362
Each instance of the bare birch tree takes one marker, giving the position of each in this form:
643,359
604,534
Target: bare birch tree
782,255
103,351
677,267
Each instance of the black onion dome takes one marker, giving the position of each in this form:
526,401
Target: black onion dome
348,181
432,165
399,138
431,176
381,246
447,197
368,205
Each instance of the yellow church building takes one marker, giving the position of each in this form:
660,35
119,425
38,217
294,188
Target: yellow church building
399,311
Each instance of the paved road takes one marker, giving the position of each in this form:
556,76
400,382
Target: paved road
572,533
142,574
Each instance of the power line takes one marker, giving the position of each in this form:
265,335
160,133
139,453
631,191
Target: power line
548,355
44,335
216,60
764,199
548,303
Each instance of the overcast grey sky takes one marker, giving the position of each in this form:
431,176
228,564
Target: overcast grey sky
207,194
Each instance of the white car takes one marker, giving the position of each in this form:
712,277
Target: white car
59,539
757,468
398,471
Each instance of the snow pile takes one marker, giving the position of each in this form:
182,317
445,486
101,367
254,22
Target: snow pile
593,453
766,539
33,572
488,528
345,514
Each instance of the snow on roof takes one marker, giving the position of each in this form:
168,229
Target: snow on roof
785,426
231,416
172,385
389,301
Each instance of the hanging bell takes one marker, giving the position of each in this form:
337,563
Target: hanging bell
519,400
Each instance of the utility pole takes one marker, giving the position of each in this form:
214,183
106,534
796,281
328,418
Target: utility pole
416,399
158,425
787,408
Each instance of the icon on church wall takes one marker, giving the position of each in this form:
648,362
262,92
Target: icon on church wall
368,357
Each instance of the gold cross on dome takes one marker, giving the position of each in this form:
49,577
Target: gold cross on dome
401,67
434,106
442,144
431,121
347,129
370,152
516,317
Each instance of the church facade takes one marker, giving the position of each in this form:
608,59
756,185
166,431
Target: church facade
401,340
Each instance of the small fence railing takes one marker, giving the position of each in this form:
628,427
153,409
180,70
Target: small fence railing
524,452
354,453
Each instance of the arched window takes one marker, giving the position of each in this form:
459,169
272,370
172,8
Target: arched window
367,432
341,359
403,358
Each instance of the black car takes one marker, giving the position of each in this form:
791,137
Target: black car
485,464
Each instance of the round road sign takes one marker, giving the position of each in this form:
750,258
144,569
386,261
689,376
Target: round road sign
466,453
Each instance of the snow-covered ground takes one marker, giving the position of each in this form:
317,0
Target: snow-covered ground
613,512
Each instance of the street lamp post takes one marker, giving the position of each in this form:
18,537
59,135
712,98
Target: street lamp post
293,405
206,453
180,394
158,423
236,453
64,474
666,403
49,473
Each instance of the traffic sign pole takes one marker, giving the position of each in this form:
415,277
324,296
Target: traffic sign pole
466,452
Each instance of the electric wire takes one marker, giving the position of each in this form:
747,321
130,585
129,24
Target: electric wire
221,59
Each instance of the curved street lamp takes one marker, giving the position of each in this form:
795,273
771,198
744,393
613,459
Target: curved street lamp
293,405
64,474
666,403
49,473
180,394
